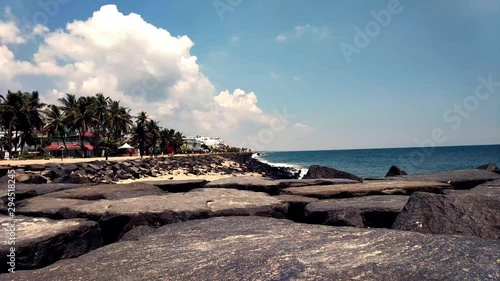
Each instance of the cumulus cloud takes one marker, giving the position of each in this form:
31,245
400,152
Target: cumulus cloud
10,34
145,67
40,29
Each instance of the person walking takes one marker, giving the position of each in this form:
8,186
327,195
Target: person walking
106,153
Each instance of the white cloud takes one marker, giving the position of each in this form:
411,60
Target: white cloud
40,29
144,67
300,31
10,34
235,40
280,38
303,127
274,75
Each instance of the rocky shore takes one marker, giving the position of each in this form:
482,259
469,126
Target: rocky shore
330,226
99,171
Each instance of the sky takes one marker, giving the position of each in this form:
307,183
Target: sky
271,75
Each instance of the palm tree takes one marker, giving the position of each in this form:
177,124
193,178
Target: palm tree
139,131
119,121
100,109
30,119
166,137
56,125
152,132
9,111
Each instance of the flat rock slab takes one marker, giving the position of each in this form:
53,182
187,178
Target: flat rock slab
366,211
461,179
178,185
50,207
109,191
367,188
247,183
116,217
464,214
41,241
309,182
253,248
24,191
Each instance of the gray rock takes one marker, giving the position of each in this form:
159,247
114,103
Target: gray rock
112,192
36,167
247,183
137,233
309,182
73,178
252,248
178,185
41,241
463,214
31,178
320,172
24,191
366,211
50,207
395,171
367,188
118,216
461,179
488,167
296,205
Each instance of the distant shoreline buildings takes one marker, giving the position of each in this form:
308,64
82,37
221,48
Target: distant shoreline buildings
196,143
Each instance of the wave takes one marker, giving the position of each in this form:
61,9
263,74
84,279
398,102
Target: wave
259,157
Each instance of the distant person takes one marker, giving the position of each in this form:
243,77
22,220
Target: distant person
106,153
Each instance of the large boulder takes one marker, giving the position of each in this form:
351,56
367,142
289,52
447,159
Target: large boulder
178,185
253,248
42,241
460,179
395,171
30,178
73,178
320,172
309,182
367,188
488,167
24,191
115,191
247,183
119,216
463,214
366,211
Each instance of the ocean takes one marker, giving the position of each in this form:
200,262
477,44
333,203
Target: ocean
376,162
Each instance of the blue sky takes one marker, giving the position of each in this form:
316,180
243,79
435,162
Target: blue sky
393,93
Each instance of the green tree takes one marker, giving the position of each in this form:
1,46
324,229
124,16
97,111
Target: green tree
56,125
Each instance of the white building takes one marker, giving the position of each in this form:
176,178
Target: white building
195,143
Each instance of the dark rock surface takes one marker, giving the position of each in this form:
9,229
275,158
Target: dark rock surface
366,211
461,179
247,183
106,191
296,205
395,171
463,214
320,172
41,241
137,233
253,248
309,182
488,167
367,188
178,185
30,178
24,191
116,217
